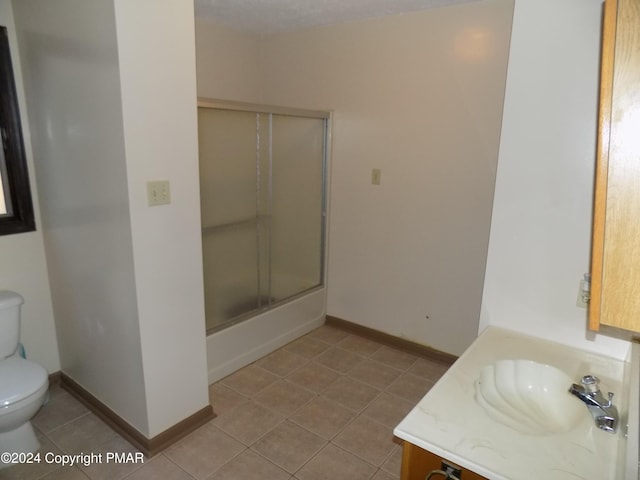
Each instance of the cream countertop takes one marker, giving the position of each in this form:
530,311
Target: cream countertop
450,423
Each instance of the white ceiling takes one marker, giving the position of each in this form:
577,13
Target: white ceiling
273,16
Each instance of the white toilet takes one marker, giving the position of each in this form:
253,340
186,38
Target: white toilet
23,384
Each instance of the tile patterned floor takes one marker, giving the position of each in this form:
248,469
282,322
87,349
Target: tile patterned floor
322,407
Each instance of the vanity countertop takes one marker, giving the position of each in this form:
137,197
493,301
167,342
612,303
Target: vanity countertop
450,423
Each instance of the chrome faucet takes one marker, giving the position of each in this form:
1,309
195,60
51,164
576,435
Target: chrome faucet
603,411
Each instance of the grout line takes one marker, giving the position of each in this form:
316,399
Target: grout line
231,459
272,462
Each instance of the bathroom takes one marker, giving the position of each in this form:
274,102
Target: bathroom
406,257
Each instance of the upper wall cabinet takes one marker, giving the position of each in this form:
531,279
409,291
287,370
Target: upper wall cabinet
615,263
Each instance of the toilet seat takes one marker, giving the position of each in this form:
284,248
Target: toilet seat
19,379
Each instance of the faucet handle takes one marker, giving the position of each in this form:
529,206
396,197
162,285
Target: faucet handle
590,383
610,395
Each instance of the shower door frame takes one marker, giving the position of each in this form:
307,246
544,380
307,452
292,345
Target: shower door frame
326,116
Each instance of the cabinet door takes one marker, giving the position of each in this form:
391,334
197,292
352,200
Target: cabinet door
417,463
615,266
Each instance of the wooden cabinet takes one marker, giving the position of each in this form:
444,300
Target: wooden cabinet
417,463
615,262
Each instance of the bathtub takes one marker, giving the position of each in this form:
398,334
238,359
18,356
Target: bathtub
243,343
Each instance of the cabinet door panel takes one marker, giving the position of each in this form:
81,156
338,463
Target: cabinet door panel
417,463
616,241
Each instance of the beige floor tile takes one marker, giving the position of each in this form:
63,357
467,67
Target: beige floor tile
61,408
204,451
83,434
428,368
339,360
323,417
250,466
350,393
367,439
282,362
248,422
286,407
289,446
307,347
110,470
360,345
388,409
223,398
64,473
395,358
314,377
393,463
334,463
34,470
249,380
160,467
327,334
410,387
375,373
382,475
283,397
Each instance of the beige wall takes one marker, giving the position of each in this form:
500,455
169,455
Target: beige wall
407,102
107,115
541,224
420,97
161,142
69,51
22,261
228,64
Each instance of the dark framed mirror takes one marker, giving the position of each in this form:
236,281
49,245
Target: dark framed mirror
16,207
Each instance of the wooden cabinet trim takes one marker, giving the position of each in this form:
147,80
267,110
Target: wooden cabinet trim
602,160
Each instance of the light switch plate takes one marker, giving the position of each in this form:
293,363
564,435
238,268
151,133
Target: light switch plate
158,193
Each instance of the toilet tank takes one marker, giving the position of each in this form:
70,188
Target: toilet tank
10,303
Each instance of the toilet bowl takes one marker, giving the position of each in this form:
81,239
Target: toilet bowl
23,384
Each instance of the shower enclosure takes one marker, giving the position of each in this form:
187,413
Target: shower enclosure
262,184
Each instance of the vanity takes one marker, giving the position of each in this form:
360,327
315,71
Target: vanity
451,424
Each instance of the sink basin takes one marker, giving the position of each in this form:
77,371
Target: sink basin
529,397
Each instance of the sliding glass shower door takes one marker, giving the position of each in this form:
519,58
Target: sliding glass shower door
262,184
